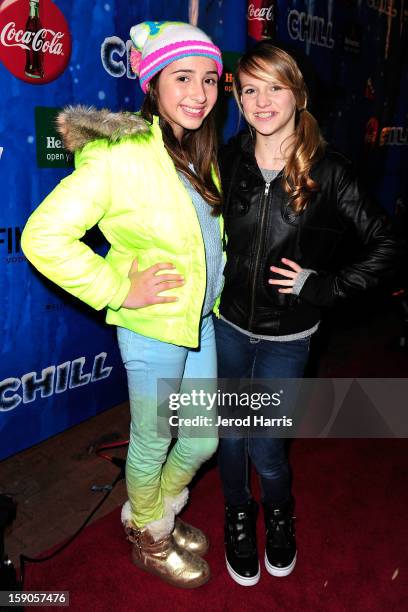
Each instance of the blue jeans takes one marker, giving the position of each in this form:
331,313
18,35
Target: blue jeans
241,356
153,473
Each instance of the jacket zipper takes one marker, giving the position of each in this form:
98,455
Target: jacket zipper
259,241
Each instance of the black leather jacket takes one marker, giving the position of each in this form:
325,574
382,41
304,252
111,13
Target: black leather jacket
341,235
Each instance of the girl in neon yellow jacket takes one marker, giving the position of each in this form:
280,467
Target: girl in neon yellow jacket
149,180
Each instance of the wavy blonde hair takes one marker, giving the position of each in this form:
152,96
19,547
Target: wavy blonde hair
266,61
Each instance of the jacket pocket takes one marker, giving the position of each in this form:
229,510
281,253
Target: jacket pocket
318,245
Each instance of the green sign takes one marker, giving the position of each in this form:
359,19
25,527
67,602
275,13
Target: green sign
50,148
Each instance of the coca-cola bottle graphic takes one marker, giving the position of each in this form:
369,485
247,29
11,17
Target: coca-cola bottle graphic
268,28
34,67
261,19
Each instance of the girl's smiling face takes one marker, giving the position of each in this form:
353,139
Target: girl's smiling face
268,106
187,92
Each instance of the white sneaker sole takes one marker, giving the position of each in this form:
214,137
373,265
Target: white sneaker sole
241,579
279,571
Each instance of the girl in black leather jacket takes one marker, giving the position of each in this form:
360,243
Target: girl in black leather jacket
292,210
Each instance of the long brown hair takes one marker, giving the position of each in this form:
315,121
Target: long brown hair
265,61
196,146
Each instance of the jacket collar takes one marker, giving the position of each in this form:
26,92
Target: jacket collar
79,125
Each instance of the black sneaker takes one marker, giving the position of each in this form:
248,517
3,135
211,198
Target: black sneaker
241,552
280,550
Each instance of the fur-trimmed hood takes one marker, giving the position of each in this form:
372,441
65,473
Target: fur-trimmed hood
79,125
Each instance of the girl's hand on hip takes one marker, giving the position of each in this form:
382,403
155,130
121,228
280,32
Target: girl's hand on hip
146,285
290,275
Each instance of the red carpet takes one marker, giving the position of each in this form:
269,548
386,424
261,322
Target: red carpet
352,538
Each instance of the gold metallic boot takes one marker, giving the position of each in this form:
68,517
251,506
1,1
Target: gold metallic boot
168,560
188,537
160,555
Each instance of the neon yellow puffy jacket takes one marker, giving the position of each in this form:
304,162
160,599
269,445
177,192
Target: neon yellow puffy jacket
124,181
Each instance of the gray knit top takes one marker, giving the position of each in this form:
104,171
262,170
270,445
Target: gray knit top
210,229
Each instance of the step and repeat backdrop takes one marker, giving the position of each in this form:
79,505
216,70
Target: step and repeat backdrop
59,363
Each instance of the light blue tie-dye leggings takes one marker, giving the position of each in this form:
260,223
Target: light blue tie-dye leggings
152,472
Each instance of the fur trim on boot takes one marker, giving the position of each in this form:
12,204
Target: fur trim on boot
165,525
177,503
80,124
159,529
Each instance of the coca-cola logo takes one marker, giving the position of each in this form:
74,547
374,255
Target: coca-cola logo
35,41
260,13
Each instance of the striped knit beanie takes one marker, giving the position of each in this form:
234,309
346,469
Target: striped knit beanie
158,43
